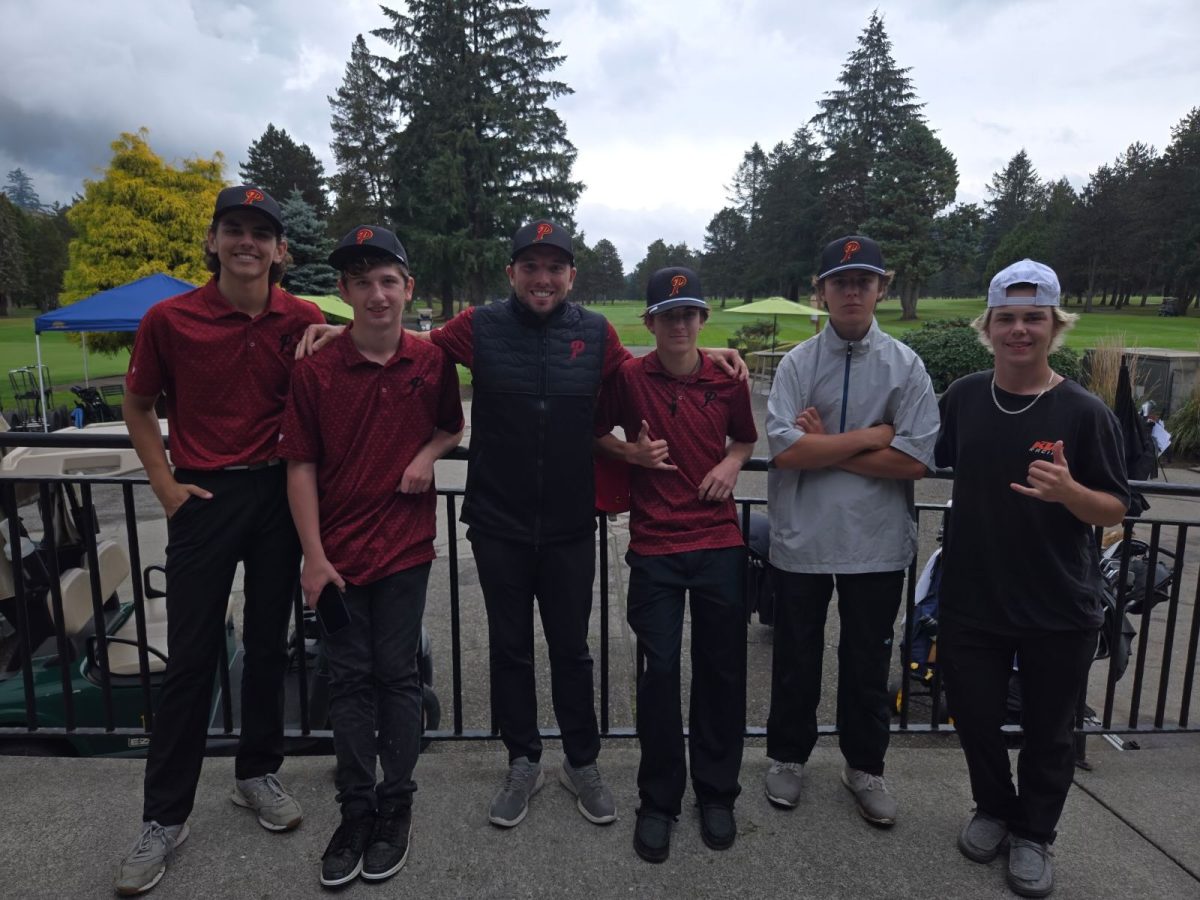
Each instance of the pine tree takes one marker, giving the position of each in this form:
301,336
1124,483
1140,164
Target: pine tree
746,191
610,271
725,255
279,165
1015,193
20,191
780,253
142,217
45,237
309,271
480,150
860,121
914,181
1179,176
12,254
362,123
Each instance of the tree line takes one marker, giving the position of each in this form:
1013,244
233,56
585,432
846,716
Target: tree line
450,137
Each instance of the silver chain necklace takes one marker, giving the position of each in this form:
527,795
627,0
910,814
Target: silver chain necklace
1026,408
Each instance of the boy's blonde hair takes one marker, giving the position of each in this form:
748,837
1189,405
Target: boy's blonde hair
1063,322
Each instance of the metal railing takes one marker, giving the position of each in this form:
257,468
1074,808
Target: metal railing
50,664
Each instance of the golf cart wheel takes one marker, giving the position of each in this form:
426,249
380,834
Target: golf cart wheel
431,714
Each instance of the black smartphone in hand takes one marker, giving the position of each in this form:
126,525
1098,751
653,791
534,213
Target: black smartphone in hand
332,611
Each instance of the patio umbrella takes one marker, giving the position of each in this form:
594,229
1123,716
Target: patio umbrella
776,307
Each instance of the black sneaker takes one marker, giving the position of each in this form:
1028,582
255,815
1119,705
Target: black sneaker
717,826
388,848
652,835
343,858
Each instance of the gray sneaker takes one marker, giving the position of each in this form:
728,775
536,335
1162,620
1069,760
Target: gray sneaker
1030,871
146,863
982,837
594,800
524,779
277,809
783,783
875,802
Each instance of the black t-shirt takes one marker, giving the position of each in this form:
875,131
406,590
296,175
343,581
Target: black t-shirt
1013,563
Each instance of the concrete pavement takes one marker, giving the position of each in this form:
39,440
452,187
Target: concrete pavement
1129,830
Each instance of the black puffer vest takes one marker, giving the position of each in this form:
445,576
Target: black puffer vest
535,381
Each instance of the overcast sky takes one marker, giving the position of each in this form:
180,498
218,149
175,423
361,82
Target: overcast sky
668,94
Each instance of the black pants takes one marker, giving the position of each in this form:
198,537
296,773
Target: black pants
867,607
560,577
658,590
1052,668
246,520
375,688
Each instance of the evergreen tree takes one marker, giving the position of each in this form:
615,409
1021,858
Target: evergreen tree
12,254
1179,176
746,192
914,180
1015,193
362,123
780,253
959,235
44,238
725,256
480,150
20,191
279,165
860,121
309,271
610,271
142,217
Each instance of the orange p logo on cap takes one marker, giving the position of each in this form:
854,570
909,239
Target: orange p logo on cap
363,235
543,230
253,196
677,284
850,249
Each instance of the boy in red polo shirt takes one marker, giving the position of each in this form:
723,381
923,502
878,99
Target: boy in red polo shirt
689,430
365,423
222,356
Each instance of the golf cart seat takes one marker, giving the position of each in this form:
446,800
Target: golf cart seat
113,564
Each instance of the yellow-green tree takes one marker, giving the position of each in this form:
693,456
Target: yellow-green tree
144,216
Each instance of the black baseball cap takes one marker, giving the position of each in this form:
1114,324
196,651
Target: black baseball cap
851,252
542,232
671,287
368,240
248,196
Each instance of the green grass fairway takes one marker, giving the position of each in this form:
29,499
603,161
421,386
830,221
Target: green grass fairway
1139,327
63,357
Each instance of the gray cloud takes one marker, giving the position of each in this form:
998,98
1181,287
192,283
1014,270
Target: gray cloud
667,95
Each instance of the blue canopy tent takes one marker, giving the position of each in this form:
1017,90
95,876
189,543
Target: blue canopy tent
117,309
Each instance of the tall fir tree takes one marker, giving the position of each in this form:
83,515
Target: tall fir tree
12,254
480,149
45,237
915,180
860,121
276,163
1179,175
144,216
309,246
21,192
779,254
725,256
1015,193
362,122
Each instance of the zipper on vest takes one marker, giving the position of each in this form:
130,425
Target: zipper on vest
541,454
846,386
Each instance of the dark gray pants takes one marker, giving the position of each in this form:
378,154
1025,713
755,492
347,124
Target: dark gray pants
375,692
